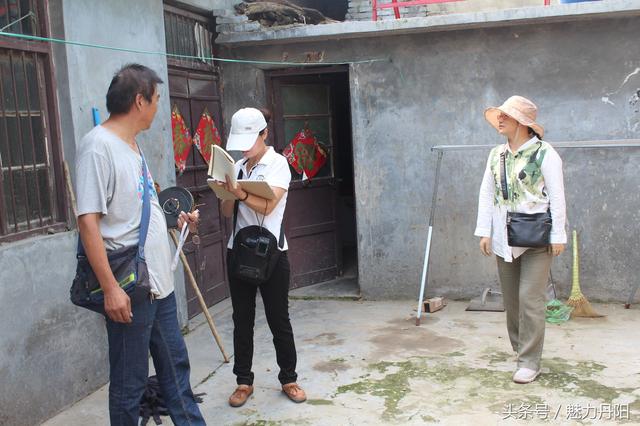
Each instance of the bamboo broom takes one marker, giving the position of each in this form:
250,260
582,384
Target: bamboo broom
579,303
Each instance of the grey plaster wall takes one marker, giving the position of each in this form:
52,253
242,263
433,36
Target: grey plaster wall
136,25
432,90
52,353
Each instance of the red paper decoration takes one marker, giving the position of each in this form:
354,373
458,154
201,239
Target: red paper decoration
305,154
181,139
206,135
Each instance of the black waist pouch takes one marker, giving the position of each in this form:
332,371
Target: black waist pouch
129,270
528,230
254,256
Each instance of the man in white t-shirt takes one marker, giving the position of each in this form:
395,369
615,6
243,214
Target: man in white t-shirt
110,188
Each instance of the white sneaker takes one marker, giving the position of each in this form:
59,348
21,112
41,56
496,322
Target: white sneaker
525,375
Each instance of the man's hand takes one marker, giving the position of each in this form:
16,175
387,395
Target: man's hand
117,305
191,218
485,246
556,249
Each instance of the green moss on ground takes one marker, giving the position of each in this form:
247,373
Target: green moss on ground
467,384
319,402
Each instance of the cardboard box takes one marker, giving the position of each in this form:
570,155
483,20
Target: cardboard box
434,304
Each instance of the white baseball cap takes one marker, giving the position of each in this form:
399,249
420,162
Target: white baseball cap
246,124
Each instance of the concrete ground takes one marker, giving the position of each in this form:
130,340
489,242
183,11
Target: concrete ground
366,363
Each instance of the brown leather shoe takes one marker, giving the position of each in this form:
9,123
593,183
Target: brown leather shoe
240,395
294,392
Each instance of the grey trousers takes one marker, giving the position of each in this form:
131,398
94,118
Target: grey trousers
524,283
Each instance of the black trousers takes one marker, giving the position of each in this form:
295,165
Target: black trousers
275,296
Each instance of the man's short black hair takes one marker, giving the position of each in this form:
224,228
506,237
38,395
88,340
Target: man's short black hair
127,83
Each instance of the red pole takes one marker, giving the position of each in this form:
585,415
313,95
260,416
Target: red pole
374,7
547,2
396,9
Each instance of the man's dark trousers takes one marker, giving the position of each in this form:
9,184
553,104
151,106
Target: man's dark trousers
154,328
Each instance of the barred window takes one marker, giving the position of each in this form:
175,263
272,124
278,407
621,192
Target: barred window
188,34
29,158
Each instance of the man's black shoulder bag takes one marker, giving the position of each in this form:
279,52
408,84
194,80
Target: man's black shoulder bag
127,264
255,252
523,229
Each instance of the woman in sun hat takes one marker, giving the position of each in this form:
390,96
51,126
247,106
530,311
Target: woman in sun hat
260,161
534,184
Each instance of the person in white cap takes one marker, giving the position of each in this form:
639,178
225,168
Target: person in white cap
248,134
533,184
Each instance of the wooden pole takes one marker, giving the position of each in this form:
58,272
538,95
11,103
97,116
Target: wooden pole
72,197
203,305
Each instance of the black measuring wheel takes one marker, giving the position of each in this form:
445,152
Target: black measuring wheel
174,200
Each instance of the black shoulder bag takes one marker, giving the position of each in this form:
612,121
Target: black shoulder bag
127,264
523,229
255,252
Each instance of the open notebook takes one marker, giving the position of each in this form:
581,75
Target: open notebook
222,165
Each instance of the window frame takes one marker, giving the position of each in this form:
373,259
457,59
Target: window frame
42,53
177,43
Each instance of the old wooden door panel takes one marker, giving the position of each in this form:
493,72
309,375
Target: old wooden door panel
311,216
311,233
192,92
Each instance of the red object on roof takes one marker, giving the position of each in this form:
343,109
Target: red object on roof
396,5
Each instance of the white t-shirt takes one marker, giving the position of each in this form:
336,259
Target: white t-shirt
274,169
109,181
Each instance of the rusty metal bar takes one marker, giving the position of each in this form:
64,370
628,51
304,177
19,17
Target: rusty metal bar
55,192
20,143
31,137
10,159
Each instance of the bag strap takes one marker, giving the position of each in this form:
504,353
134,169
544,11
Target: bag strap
503,175
146,214
236,205
503,169
146,208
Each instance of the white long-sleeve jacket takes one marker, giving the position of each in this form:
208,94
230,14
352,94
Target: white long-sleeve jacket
535,183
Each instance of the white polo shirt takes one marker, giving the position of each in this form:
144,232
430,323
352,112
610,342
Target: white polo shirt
274,169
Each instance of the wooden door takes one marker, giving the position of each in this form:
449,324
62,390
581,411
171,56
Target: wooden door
193,86
191,92
311,217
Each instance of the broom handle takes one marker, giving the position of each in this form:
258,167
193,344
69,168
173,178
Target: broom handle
575,287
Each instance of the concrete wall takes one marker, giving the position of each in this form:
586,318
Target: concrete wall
433,89
52,353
